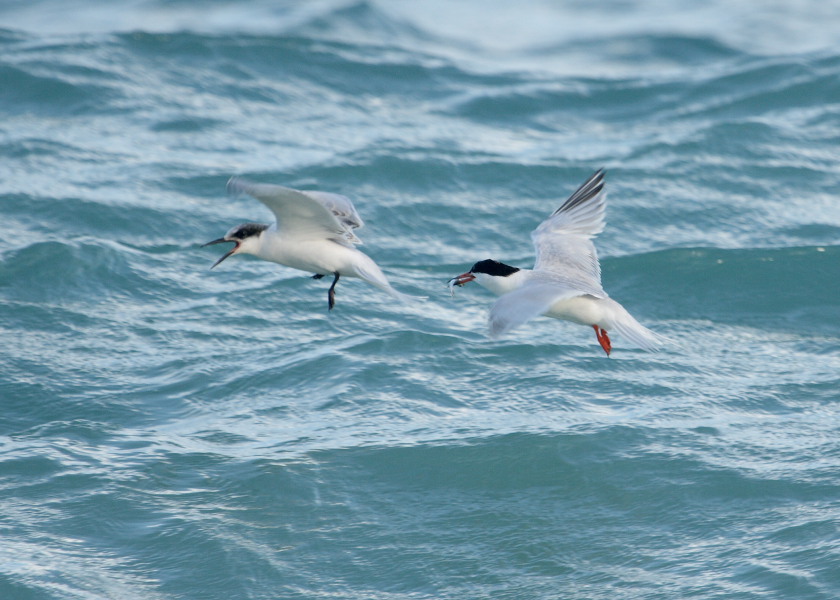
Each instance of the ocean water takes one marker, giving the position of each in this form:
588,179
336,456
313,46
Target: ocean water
170,432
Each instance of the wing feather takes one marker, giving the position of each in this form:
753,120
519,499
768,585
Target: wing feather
563,241
304,213
340,206
534,298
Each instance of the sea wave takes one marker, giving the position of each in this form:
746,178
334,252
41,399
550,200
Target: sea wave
171,431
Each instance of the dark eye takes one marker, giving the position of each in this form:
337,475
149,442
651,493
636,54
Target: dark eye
248,230
245,232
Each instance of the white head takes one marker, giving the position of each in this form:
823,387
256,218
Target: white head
496,276
246,237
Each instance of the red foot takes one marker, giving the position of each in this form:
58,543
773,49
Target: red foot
603,339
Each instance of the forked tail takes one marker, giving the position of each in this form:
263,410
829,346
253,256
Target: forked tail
637,334
370,272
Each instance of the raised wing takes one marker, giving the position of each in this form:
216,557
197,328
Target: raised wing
563,241
340,206
304,214
534,298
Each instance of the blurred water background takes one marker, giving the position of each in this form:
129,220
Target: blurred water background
170,432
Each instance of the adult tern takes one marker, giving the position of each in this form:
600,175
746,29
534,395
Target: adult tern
565,282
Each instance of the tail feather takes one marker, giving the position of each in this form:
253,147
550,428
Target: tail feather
638,335
371,273
406,298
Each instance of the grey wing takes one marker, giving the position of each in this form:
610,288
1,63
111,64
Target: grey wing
531,300
341,206
303,214
569,255
563,241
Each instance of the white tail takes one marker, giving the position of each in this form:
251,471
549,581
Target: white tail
370,272
637,334
623,323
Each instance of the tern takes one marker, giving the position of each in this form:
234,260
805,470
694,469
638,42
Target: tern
565,282
313,232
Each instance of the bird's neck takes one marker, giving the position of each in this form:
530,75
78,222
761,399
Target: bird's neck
265,245
503,285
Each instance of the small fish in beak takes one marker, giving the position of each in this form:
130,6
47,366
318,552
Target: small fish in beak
460,280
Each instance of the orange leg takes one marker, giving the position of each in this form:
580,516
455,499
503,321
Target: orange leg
603,339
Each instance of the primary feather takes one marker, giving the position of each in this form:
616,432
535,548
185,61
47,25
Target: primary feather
302,213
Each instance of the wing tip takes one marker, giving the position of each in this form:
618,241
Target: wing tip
589,189
497,328
236,186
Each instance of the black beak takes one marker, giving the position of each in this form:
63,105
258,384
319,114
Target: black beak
221,241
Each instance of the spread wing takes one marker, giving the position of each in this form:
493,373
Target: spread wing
304,214
534,298
563,241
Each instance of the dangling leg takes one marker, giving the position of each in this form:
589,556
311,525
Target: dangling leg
318,276
331,293
603,339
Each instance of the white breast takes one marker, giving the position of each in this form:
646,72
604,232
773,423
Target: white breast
585,310
316,256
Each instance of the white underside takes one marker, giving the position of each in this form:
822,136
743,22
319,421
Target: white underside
320,256
519,302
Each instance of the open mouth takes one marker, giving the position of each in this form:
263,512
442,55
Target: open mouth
229,253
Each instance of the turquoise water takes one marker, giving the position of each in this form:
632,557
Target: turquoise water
170,432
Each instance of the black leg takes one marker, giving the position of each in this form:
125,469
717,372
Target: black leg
318,276
331,293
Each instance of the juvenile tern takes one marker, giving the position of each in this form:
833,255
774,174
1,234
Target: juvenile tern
313,231
565,282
